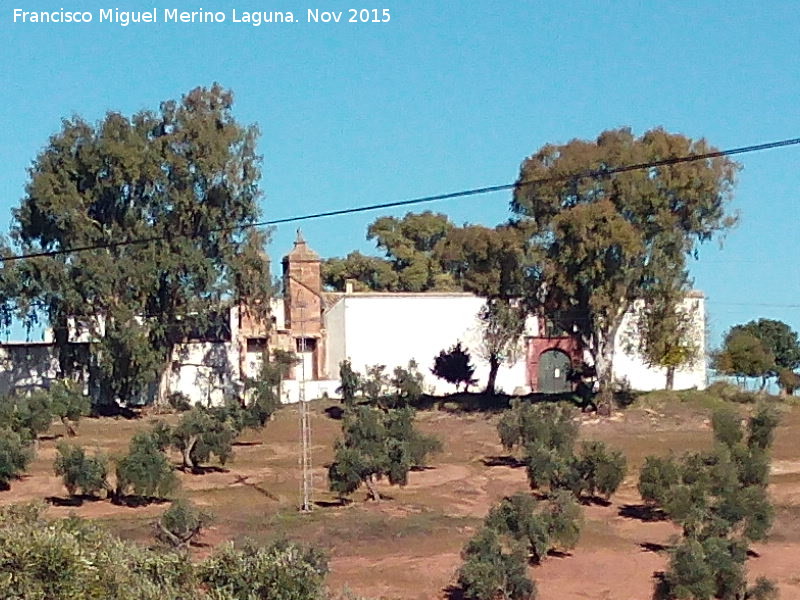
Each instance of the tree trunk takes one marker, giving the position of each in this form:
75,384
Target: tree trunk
71,432
604,365
164,382
373,491
188,463
494,366
670,378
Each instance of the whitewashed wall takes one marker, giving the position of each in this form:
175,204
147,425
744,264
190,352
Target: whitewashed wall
26,366
207,372
390,329
630,366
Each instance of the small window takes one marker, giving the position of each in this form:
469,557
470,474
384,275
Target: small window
256,344
306,344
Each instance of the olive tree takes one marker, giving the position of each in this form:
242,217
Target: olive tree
377,444
202,432
80,473
145,472
181,523
15,454
720,500
547,434
490,571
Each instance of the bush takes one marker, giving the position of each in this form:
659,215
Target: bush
548,432
657,477
15,454
29,416
81,473
455,366
376,444
351,383
202,432
550,425
282,571
720,499
69,404
539,526
145,472
490,572
181,523
762,427
547,467
178,401
601,471
72,559
727,426
262,393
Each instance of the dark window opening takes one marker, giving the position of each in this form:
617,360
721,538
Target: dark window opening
306,344
257,344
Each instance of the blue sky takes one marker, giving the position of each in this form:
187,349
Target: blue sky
447,95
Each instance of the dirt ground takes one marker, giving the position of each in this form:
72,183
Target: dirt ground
408,545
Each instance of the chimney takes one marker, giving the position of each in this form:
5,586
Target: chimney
348,286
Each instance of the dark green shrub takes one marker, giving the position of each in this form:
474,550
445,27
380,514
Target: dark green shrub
454,365
657,477
73,559
69,404
282,571
80,473
202,432
727,426
761,427
549,425
490,572
145,471
15,454
181,523
540,526
351,383
179,402
601,471
377,443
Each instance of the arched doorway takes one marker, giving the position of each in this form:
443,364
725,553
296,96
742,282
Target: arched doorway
553,368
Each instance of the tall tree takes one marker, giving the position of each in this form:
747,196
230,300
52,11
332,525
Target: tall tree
501,337
778,339
601,242
665,330
743,355
184,177
369,273
410,264
485,261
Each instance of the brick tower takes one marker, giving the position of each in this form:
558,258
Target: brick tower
302,285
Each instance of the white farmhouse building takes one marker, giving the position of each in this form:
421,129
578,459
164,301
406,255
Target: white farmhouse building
368,328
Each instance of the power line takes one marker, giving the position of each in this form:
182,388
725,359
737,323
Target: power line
589,174
760,304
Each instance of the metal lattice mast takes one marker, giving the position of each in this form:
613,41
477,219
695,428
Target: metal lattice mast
307,482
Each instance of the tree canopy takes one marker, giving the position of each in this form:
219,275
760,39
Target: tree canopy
597,243
183,177
743,355
720,499
425,251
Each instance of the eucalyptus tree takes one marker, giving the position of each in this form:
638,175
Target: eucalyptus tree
600,241
157,201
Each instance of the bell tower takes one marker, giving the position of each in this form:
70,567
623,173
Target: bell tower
302,288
